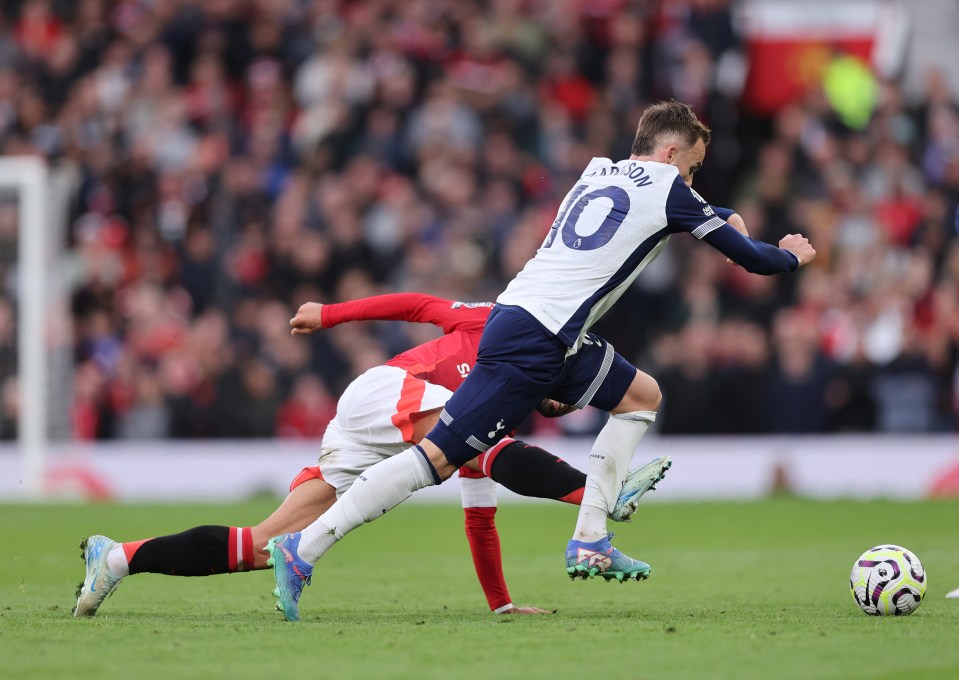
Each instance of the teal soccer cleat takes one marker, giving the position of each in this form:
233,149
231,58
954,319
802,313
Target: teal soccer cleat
291,573
600,558
99,581
637,483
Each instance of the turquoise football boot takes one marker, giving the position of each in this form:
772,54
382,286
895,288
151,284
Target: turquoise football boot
291,573
599,558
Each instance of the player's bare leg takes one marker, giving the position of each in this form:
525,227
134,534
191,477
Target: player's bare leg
298,510
589,552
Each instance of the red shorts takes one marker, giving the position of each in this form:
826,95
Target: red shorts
305,475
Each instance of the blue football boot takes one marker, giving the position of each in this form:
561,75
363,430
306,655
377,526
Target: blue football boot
100,581
600,558
637,483
291,573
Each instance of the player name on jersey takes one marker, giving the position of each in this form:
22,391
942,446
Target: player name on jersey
631,169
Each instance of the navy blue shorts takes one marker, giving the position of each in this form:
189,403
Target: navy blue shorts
520,363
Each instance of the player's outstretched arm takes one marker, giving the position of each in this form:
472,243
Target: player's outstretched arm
412,307
688,211
757,257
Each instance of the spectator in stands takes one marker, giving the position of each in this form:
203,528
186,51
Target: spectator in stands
238,158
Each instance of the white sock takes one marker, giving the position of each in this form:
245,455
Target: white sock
379,489
608,464
117,561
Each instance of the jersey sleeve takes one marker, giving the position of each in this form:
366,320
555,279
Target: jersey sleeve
687,211
413,307
724,213
755,257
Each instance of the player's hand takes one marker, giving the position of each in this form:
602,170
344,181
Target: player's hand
737,223
799,246
554,409
529,610
308,318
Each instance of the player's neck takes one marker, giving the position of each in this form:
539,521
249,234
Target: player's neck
656,158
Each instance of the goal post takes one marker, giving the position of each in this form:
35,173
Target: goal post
26,177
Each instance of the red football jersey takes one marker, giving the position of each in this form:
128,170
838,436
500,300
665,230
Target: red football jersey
445,361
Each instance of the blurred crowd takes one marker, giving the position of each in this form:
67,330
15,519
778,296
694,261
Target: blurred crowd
236,158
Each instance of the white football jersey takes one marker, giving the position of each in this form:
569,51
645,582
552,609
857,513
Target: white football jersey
613,222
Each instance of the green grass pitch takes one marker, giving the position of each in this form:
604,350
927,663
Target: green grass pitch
738,590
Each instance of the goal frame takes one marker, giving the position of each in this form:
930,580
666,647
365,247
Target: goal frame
29,177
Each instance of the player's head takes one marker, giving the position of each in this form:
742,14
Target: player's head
669,132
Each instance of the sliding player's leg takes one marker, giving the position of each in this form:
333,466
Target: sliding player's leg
529,470
517,364
200,551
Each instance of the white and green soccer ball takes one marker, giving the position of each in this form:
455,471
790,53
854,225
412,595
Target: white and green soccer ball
888,580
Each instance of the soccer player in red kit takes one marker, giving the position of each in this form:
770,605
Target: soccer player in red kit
380,413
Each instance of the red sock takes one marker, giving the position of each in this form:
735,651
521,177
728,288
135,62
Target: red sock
130,549
575,497
487,558
240,553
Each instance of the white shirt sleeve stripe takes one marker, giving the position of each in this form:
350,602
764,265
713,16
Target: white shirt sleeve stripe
708,226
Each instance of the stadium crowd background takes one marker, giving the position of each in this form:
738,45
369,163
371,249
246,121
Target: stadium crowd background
237,158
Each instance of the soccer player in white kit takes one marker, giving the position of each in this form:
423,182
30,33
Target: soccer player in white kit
613,222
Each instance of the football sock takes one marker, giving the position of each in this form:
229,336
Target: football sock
608,465
375,492
531,471
479,508
200,551
487,556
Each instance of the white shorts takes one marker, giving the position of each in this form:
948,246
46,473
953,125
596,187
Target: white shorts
374,421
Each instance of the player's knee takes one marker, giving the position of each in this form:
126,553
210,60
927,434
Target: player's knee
655,395
643,395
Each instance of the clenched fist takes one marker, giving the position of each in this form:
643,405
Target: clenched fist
799,246
308,318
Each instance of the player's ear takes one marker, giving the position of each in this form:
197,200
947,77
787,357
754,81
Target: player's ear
670,153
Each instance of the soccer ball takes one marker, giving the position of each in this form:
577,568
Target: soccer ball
888,580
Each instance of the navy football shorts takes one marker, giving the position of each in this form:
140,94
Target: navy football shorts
520,363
